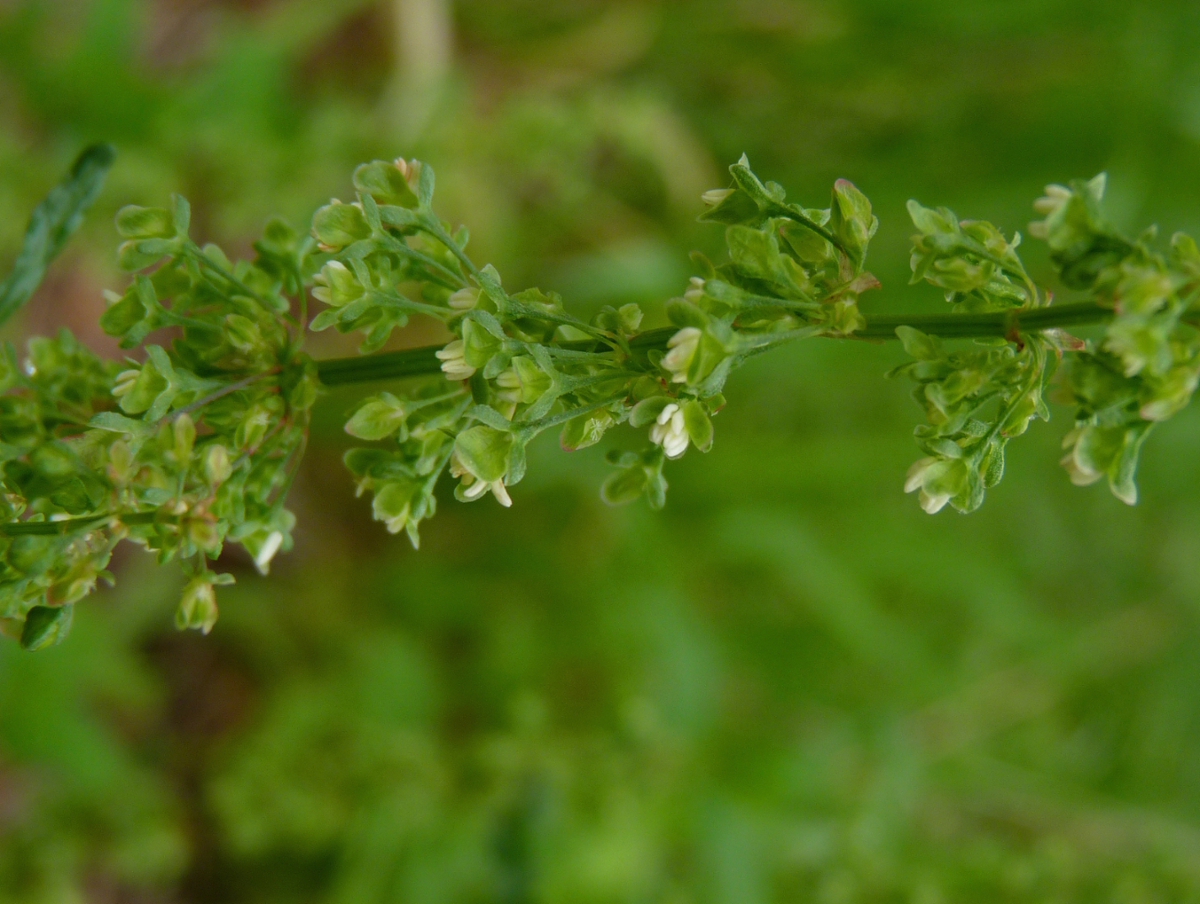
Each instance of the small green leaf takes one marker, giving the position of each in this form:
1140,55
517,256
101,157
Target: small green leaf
337,225
118,423
385,183
46,626
624,486
698,424
917,344
377,418
134,222
647,411
425,185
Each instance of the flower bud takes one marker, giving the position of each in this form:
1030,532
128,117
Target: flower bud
266,552
336,285
135,222
464,299
337,225
454,363
681,350
217,467
670,431
198,607
184,430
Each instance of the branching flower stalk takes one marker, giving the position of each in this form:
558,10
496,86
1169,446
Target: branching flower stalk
193,441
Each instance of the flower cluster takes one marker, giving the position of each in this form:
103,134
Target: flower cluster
522,364
180,450
192,442
1143,370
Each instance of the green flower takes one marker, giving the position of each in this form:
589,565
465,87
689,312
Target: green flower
939,480
336,285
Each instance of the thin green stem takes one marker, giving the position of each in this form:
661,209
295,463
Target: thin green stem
71,525
434,267
221,393
432,225
535,427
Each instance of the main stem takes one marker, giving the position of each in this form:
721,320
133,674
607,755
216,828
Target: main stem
1007,325
418,361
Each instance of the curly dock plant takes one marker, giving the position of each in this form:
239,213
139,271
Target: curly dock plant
193,441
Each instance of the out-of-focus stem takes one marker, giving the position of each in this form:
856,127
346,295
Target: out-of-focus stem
424,43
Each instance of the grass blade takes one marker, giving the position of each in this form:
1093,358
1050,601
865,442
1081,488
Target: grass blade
52,223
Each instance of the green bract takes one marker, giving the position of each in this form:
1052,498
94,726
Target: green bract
192,442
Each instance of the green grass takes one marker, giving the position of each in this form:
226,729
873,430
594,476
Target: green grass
791,684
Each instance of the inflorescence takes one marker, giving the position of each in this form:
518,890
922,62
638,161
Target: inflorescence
193,443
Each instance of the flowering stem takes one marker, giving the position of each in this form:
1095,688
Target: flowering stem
420,361
71,525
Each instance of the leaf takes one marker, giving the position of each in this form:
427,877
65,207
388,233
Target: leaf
385,183
118,423
647,411
624,486
737,208
46,626
134,222
425,185
699,426
919,345
377,418
585,430
929,221
52,223
851,218
181,214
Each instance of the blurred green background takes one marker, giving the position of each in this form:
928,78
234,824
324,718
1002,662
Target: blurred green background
791,685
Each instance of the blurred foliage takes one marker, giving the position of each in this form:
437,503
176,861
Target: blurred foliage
790,684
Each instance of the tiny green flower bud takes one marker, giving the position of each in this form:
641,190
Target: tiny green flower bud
629,317
378,418
393,504
670,431
464,299
136,390
217,467
266,552
454,363
938,479
682,349
336,285
481,458
337,225
204,534
135,222
198,607
123,313
242,333
253,428
125,382
185,437
120,462
509,385
715,196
